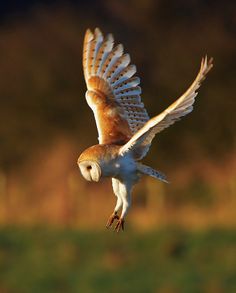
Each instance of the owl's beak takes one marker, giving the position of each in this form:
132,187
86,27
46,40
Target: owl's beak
96,174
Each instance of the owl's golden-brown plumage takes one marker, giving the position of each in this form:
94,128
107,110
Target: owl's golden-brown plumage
124,128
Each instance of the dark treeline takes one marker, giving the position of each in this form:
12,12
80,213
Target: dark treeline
41,80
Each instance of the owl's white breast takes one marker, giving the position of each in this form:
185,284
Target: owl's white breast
122,167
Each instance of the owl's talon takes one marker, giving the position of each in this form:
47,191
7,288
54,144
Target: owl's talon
120,225
110,221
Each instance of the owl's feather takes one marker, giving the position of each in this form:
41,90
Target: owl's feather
111,124
113,91
140,142
146,170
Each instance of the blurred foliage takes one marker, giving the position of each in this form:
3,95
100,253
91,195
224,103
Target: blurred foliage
173,260
45,122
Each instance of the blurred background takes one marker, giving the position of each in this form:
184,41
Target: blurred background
179,237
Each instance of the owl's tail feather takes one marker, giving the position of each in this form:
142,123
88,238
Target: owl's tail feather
146,170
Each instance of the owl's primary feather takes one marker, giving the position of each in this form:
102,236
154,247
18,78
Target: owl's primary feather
139,144
124,128
113,91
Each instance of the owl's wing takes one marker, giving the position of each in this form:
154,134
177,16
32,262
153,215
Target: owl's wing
140,142
113,92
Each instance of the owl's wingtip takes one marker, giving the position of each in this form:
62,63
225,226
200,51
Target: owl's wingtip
88,34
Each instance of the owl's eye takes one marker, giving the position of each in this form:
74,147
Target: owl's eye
89,167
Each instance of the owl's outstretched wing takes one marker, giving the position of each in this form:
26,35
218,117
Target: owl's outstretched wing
140,142
113,92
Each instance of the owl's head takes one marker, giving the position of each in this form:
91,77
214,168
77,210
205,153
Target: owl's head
98,161
89,164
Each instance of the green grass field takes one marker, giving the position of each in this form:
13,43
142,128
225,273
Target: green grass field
172,260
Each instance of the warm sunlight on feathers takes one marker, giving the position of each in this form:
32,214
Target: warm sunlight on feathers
124,128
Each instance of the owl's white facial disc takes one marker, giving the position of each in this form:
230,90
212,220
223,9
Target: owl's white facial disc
90,170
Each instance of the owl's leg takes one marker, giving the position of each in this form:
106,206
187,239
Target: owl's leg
125,194
114,215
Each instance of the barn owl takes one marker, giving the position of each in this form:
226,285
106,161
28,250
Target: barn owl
125,131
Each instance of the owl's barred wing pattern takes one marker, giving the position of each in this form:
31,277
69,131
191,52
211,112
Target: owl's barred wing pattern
113,91
139,144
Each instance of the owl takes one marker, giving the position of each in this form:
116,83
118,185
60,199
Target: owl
125,131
